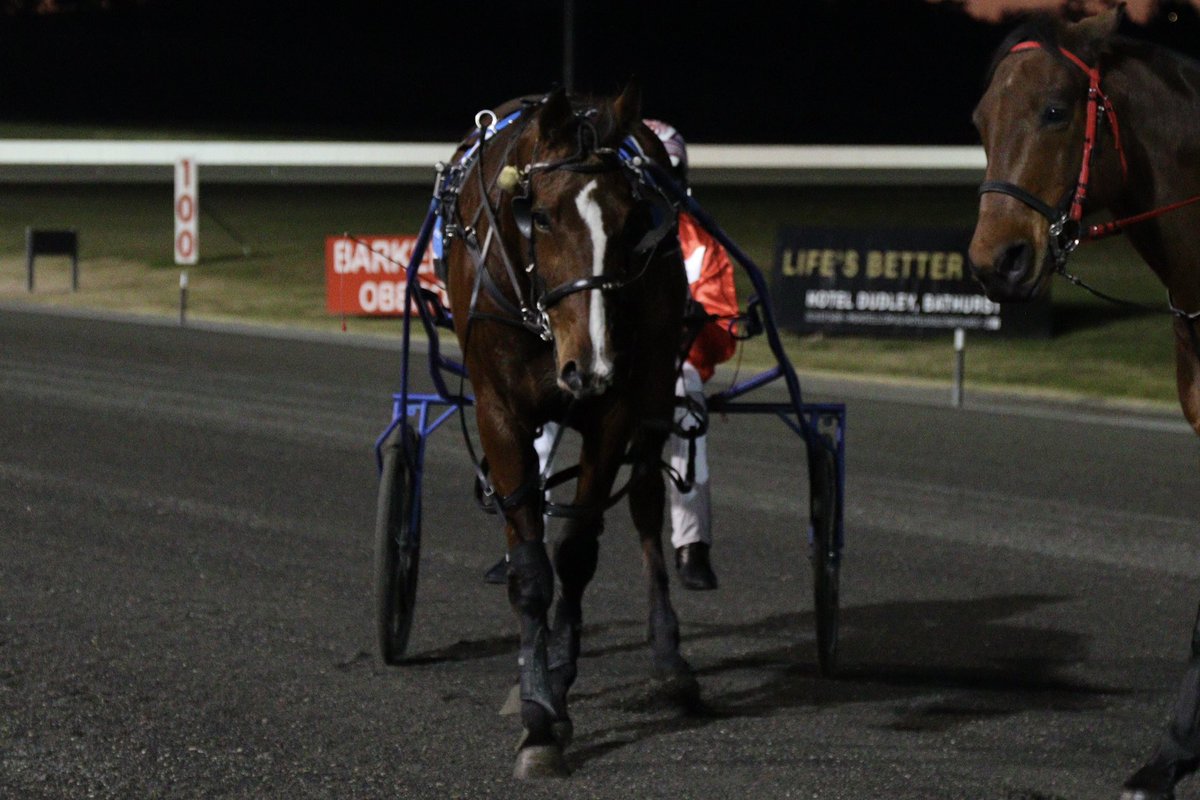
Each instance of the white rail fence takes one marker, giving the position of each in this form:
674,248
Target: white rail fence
36,160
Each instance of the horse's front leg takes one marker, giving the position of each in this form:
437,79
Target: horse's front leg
1178,752
647,498
576,554
508,443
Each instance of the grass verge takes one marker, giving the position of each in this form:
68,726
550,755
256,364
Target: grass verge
262,251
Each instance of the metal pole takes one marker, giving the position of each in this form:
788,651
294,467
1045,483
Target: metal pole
29,258
183,289
569,45
960,357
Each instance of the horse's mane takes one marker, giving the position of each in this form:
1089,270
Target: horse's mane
1164,44
1175,30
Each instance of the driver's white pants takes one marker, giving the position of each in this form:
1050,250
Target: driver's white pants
691,513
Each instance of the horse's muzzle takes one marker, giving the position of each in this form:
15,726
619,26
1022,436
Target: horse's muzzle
580,383
1010,275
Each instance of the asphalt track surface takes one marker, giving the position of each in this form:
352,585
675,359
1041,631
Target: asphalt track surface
185,548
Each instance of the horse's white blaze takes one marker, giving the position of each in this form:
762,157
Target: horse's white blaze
590,211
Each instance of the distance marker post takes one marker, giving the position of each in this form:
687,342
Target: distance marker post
183,292
960,357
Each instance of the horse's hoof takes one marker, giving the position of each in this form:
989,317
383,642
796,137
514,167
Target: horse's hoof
1146,794
540,761
680,689
563,732
1155,780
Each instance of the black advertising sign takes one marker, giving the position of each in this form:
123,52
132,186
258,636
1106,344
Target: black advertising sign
898,282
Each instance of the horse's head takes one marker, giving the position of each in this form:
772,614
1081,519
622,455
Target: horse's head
1032,120
584,227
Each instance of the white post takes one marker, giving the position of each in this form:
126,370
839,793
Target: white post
960,355
187,211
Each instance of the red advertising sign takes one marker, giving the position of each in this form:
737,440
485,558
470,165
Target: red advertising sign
364,275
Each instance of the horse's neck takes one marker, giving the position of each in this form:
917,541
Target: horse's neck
1157,100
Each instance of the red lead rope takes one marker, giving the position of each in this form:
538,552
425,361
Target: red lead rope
1106,229
1099,103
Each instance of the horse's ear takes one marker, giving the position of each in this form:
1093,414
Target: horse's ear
1090,36
1102,26
554,115
627,109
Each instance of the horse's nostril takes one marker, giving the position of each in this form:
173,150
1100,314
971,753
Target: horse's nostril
1014,262
571,376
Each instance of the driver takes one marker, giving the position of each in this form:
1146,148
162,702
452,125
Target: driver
710,280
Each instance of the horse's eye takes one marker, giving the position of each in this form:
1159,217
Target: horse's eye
541,220
1053,114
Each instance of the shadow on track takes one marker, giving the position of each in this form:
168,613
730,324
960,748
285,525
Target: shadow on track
941,663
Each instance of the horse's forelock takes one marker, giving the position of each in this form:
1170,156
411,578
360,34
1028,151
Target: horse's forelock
1043,29
609,131
603,115
1088,39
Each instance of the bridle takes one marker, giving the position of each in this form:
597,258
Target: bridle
530,310
592,159
1065,219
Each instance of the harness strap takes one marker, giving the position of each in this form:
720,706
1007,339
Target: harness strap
1028,198
598,282
493,227
524,318
494,504
545,481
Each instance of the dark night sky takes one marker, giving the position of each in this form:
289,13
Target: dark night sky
812,71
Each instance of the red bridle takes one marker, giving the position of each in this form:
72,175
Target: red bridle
1062,240
1098,106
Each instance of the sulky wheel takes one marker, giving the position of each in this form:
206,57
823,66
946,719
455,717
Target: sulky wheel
397,543
823,548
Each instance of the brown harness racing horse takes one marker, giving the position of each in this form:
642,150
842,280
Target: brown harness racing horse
1077,119
567,291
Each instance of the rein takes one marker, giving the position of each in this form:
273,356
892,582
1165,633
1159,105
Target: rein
1066,231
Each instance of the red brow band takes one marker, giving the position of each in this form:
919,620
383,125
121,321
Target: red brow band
1093,74
1021,47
